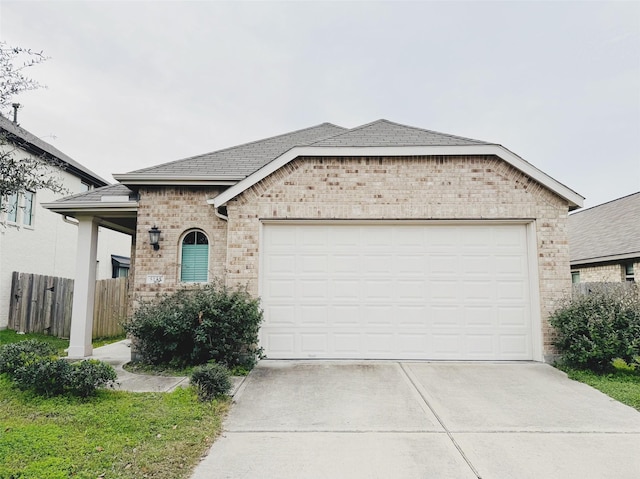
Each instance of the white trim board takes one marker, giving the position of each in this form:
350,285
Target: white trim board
575,200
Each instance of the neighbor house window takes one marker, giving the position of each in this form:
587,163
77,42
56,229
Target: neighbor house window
628,272
27,209
19,208
575,277
195,258
12,208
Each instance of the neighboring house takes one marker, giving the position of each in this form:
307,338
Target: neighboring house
36,240
381,241
604,242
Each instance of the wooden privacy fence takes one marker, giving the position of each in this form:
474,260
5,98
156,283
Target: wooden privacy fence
42,304
111,307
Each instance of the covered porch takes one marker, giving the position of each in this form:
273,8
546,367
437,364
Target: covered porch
113,207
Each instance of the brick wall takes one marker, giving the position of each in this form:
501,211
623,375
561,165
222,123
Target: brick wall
608,273
465,187
174,211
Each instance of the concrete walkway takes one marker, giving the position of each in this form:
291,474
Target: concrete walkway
118,354
297,419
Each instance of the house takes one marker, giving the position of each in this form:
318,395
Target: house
605,242
36,240
381,241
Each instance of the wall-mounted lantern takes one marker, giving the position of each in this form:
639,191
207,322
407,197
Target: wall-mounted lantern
154,237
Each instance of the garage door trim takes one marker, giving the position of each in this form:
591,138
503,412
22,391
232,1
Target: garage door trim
531,256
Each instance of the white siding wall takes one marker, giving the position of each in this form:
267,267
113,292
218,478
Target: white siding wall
49,245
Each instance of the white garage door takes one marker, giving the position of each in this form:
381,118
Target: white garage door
396,291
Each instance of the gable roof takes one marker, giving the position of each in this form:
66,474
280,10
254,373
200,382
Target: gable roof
385,138
230,165
607,232
242,166
37,147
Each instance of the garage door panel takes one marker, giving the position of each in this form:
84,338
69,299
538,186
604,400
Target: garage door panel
480,316
313,264
446,316
313,315
376,290
282,315
281,289
314,343
396,291
408,316
376,316
511,290
344,315
513,316
345,264
311,289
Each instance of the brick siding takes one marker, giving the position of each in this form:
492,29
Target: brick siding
424,188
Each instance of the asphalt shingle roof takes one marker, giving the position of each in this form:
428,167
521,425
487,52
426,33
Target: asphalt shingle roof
388,133
608,230
241,161
26,138
96,194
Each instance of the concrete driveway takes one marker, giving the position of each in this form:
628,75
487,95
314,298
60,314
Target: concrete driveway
303,419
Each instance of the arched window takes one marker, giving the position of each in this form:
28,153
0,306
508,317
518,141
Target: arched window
195,258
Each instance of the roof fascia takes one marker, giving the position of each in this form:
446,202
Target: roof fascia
605,259
91,207
139,179
575,200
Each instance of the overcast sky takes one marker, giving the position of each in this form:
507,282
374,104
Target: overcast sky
134,84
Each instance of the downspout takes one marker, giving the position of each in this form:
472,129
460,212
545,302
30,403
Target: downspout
221,215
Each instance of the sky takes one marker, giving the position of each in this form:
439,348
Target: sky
131,84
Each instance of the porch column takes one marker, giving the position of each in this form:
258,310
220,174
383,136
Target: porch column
84,288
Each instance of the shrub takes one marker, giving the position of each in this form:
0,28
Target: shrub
43,375
228,327
49,376
32,365
211,380
196,326
87,376
594,329
16,354
164,329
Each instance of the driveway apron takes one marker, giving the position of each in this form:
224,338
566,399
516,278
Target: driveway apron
370,419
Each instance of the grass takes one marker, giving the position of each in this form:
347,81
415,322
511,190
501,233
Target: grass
622,385
9,336
116,434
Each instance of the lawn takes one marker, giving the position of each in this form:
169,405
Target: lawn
621,385
9,336
113,435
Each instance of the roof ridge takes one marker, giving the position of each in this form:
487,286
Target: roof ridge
150,168
383,120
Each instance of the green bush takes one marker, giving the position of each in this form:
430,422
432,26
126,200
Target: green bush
594,329
46,376
164,329
192,327
87,376
14,355
49,376
211,380
33,365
